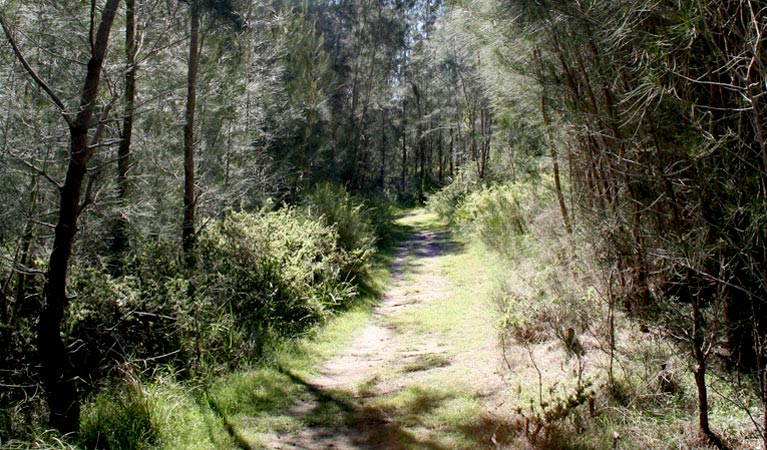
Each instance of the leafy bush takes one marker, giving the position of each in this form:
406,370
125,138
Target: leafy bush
257,276
448,200
499,215
280,269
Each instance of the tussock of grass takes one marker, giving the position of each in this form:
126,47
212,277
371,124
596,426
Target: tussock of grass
426,362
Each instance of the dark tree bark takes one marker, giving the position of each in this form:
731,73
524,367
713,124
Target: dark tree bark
441,157
700,356
24,261
552,149
555,167
56,369
403,175
188,232
120,237
384,144
5,302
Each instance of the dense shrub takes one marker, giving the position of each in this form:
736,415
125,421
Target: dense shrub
257,276
281,270
357,224
446,201
499,215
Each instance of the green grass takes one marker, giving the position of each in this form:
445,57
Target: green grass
426,362
441,410
237,410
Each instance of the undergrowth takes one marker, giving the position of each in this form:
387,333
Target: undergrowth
586,374
153,337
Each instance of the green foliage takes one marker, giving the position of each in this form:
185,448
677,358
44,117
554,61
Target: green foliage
120,419
280,269
355,223
446,201
496,215
545,422
499,215
258,276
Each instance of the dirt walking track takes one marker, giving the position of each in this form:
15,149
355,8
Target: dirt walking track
387,357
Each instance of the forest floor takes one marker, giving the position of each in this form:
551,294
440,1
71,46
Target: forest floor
425,370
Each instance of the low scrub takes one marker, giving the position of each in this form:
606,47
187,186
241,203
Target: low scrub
257,277
446,201
356,224
499,215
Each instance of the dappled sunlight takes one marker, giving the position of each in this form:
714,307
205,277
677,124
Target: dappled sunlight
407,379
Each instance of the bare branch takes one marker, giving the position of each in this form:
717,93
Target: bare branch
32,73
35,169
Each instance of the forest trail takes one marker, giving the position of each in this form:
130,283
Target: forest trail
424,372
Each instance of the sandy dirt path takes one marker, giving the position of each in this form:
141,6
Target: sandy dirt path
386,358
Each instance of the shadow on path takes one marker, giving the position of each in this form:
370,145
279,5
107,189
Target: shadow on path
359,425
353,405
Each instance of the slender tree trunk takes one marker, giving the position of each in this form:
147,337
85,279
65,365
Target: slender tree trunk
441,157
188,232
57,371
403,176
700,372
552,149
24,256
452,154
21,274
384,143
120,237
555,167
4,314
700,368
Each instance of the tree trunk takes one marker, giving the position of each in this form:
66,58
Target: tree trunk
120,234
21,272
403,175
555,167
384,143
4,315
700,372
552,148
452,154
188,233
441,157
57,371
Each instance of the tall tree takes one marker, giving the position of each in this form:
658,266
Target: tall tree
222,9
120,234
191,104
57,371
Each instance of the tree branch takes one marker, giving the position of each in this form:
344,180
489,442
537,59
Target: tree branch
35,169
31,71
